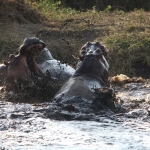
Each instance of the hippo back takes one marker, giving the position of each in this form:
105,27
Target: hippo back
81,86
86,78
57,69
44,55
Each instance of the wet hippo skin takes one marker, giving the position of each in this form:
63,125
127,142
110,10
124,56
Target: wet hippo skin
58,70
91,72
23,64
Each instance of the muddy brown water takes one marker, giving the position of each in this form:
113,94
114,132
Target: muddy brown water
25,126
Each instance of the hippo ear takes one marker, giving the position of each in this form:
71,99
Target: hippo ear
83,48
11,56
97,43
104,50
80,58
5,63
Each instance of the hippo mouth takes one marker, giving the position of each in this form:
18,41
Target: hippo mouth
34,49
97,54
94,48
31,46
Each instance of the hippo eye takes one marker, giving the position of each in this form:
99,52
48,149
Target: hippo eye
88,43
83,48
97,44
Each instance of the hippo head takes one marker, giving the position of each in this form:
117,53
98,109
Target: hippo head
31,46
23,64
92,61
92,46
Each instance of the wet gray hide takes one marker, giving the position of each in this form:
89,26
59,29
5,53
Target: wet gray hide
57,70
87,77
82,86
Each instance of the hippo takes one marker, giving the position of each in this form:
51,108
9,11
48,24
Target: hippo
92,46
23,64
91,73
87,93
58,70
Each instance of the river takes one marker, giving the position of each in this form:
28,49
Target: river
24,126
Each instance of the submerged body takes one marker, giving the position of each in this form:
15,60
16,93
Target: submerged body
82,86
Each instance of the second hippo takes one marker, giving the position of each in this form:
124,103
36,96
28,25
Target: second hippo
58,70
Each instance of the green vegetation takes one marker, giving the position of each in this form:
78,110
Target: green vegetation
64,30
126,5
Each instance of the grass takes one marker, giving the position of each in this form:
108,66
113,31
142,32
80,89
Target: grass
125,34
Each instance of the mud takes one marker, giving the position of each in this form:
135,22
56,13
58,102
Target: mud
50,125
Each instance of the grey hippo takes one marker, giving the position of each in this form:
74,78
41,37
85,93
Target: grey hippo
33,60
58,70
91,73
23,64
87,94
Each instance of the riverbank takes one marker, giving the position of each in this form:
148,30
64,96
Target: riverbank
65,31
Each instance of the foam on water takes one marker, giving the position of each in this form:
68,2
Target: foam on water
39,133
